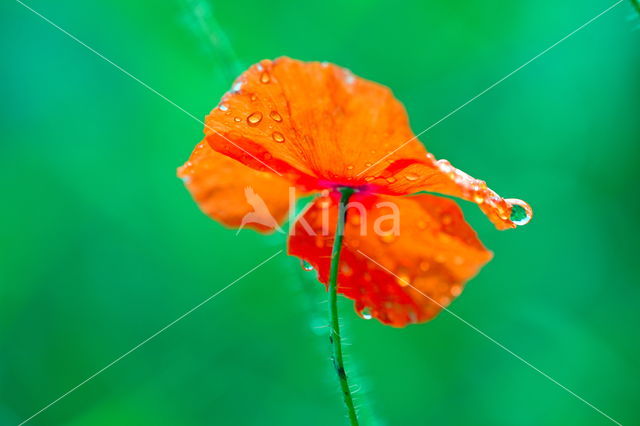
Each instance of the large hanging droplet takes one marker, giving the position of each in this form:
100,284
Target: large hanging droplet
521,212
265,78
306,265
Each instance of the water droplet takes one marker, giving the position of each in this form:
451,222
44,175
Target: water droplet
253,98
346,270
478,197
278,137
367,164
349,167
369,178
236,87
444,301
237,119
349,78
456,289
391,179
388,238
254,119
521,212
275,116
403,279
366,313
411,177
306,265
223,107
265,78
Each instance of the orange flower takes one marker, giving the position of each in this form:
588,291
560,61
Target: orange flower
317,127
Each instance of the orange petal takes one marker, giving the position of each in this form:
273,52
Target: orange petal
434,250
410,175
230,192
321,127
314,121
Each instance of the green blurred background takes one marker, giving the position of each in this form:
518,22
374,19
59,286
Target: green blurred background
101,245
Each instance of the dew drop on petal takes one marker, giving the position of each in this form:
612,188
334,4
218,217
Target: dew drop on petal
306,265
365,313
478,198
346,270
254,119
275,116
278,137
223,107
521,212
237,119
265,78
403,278
391,179
369,178
387,238
456,289
411,177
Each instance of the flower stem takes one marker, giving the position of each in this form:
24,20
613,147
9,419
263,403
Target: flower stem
334,333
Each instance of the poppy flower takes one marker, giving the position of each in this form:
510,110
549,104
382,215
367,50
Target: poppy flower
317,127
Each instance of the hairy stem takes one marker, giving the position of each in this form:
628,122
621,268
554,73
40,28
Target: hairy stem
334,334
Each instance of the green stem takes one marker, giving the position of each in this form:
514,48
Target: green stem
334,334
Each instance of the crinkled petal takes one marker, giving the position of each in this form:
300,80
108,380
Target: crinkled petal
320,126
432,248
